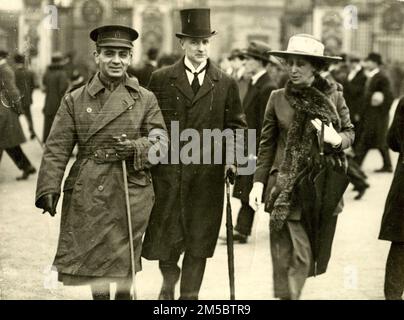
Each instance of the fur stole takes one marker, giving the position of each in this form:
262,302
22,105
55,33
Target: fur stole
309,103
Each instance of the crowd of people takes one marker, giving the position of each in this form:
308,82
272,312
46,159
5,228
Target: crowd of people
315,117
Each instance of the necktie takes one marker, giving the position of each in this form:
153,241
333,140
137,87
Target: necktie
195,82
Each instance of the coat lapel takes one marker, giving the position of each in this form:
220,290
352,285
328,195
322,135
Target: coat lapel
181,81
118,102
211,76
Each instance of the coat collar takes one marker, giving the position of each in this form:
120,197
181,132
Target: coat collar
118,102
181,81
95,85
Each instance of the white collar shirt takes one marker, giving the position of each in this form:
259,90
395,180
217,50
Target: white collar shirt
354,72
190,75
256,77
372,73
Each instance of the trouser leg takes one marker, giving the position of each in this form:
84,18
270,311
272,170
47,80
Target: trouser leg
28,116
394,277
171,274
123,289
361,153
386,157
19,158
100,291
193,269
245,219
291,260
47,126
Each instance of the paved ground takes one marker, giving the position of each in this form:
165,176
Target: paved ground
28,242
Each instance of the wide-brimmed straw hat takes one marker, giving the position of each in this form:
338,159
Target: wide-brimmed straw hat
305,45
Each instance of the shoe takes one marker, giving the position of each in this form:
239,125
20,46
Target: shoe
26,173
361,192
32,136
384,169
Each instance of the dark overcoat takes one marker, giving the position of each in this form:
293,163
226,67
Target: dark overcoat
392,226
56,82
375,120
25,81
254,104
94,238
11,134
189,197
354,93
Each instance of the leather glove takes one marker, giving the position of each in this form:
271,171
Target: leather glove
255,197
48,203
124,147
230,172
330,135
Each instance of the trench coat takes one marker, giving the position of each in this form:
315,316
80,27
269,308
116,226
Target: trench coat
254,105
375,120
189,197
11,134
392,226
94,239
277,120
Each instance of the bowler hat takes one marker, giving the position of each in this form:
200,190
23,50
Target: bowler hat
114,36
3,53
305,45
195,23
375,57
236,53
257,50
57,58
19,58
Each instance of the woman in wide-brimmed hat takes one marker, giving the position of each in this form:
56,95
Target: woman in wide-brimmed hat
290,146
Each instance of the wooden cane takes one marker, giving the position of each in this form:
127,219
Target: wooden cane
128,213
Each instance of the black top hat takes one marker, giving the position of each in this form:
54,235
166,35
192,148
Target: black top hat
114,36
195,23
258,50
375,57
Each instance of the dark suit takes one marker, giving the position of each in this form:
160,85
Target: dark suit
254,105
189,198
375,120
143,73
392,227
354,95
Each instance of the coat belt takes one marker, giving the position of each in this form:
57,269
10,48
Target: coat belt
99,155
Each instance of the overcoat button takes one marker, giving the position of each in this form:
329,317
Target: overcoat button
89,110
100,188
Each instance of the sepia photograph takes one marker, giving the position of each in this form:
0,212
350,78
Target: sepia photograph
202,150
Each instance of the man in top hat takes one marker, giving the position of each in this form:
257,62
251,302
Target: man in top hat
254,104
94,243
11,134
193,94
55,82
377,101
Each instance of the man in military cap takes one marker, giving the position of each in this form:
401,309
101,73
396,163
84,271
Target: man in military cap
196,94
94,240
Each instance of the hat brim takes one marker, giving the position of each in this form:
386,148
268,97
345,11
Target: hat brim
285,54
184,35
256,56
115,44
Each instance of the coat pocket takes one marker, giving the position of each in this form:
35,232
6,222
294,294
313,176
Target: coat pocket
140,178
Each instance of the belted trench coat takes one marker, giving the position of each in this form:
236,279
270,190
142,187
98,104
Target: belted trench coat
94,238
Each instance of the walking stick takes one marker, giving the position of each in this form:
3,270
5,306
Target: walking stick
229,234
132,251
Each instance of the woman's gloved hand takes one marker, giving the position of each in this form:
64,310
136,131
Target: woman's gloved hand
255,197
48,203
330,135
